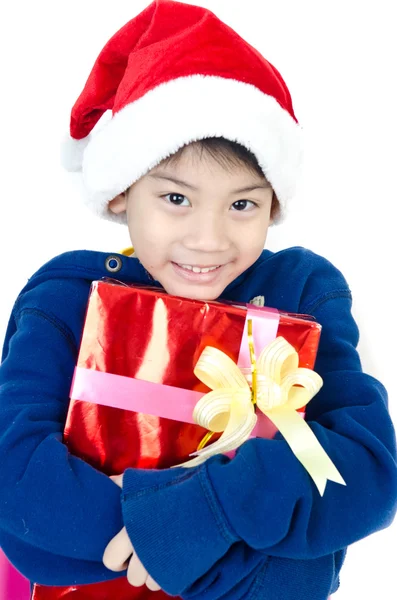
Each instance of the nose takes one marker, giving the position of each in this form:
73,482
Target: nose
206,232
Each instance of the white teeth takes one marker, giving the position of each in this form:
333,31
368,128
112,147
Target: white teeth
197,269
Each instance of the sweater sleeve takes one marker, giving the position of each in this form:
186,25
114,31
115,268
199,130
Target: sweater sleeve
57,513
182,521
247,573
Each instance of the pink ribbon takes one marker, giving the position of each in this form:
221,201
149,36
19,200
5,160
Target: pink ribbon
167,401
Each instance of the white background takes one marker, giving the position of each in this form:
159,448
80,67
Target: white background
337,60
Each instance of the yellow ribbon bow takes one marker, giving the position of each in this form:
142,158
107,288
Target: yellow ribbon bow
279,388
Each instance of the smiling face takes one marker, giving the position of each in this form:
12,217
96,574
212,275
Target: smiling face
195,225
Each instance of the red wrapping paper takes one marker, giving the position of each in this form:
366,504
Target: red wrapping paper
116,336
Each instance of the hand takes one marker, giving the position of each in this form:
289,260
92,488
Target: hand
117,556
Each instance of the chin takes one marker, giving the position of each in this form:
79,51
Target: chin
195,292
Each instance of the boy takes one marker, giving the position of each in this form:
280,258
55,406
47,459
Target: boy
198,210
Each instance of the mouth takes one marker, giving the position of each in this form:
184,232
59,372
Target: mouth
198,274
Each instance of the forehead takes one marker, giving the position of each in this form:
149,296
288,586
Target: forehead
227,185
196,163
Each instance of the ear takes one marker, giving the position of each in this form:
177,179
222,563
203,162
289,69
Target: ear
118,204
275,208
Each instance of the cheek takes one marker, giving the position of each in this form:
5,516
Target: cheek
150,236
141,221
251,240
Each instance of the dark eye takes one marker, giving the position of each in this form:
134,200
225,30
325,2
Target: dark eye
242,205
176,199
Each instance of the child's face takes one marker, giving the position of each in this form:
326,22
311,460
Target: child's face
174,227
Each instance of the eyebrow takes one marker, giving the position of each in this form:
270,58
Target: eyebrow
250,188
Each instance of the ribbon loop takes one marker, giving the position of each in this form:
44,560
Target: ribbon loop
242,420
281,387
217,370
277,358
269,394
212,411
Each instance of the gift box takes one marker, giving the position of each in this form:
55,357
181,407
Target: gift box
12,583
135,387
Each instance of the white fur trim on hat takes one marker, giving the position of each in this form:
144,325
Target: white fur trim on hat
184,110
72,152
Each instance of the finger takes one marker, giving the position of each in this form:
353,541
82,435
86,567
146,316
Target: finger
152,585
136,573
118,551
118,480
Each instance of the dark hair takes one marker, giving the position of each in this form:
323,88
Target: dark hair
228,154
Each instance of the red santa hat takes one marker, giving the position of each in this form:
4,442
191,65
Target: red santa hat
173,75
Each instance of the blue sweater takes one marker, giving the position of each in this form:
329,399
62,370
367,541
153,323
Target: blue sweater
254,526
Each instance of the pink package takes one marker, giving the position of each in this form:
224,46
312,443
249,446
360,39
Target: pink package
13,585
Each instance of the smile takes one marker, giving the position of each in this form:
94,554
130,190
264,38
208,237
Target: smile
198,269
198,274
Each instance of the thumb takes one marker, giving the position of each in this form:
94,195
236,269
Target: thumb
118,552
